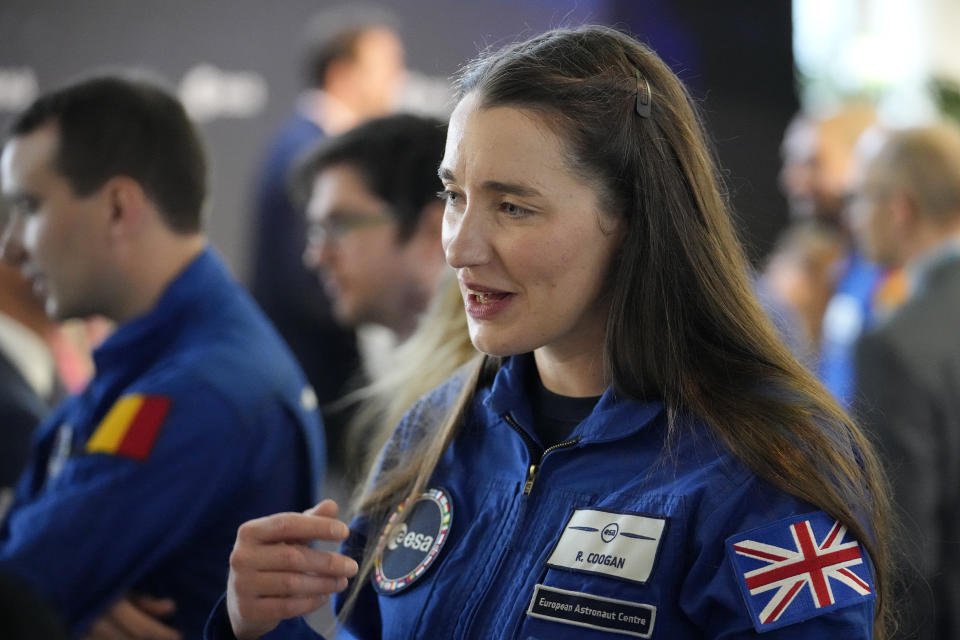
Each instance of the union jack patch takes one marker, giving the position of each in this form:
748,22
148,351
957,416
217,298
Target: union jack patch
799,568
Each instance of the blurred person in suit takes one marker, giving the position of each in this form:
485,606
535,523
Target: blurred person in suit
799,273
819,162
906,213
353,62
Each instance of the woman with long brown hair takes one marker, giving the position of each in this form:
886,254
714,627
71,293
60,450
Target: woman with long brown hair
636,453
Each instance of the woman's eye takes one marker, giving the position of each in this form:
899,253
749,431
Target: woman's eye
513,210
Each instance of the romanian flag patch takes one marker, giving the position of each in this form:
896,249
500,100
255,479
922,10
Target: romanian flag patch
130,427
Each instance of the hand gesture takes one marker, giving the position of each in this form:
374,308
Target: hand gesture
275,574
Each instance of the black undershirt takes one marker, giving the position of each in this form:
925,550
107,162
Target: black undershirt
555,416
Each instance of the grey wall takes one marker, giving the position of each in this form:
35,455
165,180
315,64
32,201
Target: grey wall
250,49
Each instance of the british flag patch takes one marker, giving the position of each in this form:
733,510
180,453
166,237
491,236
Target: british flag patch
798,568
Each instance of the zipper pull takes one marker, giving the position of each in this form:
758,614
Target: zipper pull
531,476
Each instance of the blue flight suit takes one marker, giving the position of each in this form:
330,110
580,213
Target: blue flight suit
498,575
238,437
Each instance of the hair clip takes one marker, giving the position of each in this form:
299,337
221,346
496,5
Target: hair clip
644,96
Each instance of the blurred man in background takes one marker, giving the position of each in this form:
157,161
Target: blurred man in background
907,213
819,162
374,221
354,66
197,419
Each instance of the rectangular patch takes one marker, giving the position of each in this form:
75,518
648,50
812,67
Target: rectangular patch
798,568
130,427
594,612
619,545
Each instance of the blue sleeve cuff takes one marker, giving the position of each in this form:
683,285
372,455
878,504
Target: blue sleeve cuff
218,627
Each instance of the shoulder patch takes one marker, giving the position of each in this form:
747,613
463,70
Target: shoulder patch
415,543
798,568
130,427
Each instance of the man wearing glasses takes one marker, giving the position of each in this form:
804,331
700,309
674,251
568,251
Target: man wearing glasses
374,220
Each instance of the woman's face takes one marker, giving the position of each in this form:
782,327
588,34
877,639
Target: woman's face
526,235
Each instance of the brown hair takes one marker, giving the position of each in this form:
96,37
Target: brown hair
683,325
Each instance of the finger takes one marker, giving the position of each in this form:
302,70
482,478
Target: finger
155,607
292,558
279,584
138,624
327,508
284,527
104,629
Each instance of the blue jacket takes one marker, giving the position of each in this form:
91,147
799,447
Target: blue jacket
197,420
608,534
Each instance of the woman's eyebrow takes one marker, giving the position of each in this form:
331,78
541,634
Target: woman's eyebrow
510,187
495,185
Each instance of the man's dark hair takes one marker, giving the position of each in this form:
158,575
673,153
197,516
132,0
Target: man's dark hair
110,126
332,35
397,157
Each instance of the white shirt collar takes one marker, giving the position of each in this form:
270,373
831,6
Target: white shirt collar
29,354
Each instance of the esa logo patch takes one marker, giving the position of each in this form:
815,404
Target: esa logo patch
413,544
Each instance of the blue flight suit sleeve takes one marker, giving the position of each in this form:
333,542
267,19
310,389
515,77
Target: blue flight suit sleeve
218,627
711,594
107,520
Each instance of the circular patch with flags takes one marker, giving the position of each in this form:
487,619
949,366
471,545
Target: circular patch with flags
414,543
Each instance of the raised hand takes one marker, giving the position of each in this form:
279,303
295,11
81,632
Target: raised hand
275,574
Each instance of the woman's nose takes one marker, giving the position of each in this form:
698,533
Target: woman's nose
465,241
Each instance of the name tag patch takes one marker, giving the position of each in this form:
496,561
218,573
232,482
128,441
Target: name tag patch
414,544
594,612
619,545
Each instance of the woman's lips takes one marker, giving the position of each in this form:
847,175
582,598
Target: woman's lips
484,303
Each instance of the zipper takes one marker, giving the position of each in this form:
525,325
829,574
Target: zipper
534,449
536,454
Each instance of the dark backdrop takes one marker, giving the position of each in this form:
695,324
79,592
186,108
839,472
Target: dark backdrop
737,59
735,55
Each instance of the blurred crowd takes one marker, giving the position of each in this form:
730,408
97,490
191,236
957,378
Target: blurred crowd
863,286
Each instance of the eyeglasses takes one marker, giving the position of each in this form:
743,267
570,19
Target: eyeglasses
337,225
